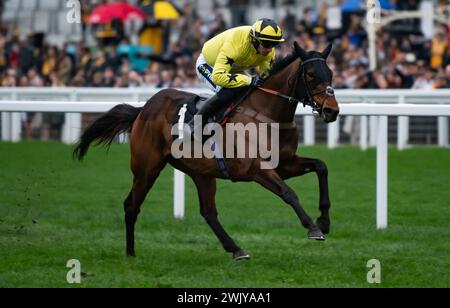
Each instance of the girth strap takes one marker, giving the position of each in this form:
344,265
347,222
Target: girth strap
262,118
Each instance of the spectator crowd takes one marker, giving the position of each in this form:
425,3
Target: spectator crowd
406,59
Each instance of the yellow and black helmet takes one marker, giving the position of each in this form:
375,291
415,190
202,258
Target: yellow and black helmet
266,29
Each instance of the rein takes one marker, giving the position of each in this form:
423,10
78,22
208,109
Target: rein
316,108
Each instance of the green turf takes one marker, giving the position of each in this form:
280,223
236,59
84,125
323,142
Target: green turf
53,209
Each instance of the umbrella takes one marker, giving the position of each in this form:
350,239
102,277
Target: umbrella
360,5
108,12
160,10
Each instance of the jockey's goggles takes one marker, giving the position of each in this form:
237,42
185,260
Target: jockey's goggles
268,44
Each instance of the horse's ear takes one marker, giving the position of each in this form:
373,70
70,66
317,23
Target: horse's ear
327,51
300,52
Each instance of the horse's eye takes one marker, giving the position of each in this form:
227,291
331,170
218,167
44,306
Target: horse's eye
310,75
329,91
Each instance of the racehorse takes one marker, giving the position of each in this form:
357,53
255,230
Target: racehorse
301,77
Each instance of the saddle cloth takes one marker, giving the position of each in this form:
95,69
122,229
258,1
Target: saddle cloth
186,111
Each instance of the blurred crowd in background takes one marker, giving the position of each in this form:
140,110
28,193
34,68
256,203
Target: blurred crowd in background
406,58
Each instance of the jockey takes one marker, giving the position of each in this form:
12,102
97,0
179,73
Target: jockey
225,57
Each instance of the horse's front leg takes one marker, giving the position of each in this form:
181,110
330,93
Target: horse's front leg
301,165
271,180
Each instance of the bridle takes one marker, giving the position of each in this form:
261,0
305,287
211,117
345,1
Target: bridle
309,99
329,91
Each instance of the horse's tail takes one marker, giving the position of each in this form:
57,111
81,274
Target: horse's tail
118,120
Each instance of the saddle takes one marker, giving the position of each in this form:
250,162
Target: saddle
186,111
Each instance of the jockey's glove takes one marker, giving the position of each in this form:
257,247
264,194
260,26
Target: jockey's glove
257,81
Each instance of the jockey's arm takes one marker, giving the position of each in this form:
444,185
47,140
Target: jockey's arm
264,67
222,75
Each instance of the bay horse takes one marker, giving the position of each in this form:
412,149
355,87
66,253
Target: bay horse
302,74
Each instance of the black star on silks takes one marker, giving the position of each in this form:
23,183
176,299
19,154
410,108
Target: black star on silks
232,77
230,61
269,23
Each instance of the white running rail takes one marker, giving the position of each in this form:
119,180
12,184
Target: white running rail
378,112
11,128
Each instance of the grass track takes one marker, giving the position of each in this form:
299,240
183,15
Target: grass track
53,209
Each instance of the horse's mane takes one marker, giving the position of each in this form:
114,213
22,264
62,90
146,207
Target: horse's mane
281,63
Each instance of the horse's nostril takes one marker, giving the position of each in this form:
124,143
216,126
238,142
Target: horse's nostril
330,114
329,111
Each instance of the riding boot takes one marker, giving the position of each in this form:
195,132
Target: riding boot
209,106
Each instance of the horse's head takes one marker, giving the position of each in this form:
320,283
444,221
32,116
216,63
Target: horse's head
314,85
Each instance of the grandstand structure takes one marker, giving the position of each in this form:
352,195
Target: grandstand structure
49,16
46,16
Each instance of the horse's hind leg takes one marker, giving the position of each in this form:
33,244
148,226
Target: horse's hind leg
146,164
132,205
141,185
206,187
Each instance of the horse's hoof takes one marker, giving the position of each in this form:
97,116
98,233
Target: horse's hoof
241,255
131,254
316,235
325,228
